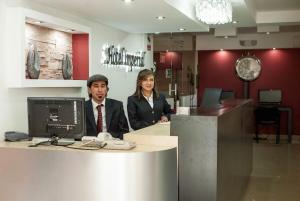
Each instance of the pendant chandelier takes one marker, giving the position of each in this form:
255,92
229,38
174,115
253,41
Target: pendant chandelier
214,11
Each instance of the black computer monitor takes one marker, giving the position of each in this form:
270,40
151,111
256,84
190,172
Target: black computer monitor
269,96
61,117
211,97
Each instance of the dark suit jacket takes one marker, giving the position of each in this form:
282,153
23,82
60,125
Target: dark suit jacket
141,114
116,122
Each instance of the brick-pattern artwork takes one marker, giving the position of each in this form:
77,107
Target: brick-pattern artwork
52,45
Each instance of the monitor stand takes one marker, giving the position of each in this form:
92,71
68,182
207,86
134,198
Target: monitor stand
54,140
62,141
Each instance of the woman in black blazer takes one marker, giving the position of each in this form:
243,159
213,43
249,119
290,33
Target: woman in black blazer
146,106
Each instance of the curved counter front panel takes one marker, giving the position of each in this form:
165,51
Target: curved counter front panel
70,175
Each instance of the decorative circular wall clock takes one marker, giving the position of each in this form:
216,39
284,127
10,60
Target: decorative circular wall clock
248,67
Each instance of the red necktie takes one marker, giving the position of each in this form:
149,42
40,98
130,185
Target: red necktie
99,120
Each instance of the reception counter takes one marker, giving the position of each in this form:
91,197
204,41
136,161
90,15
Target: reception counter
215,151
145,173
213,146
155,135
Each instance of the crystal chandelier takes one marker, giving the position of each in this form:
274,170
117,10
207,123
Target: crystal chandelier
214,11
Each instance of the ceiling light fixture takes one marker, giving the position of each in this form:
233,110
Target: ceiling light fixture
181,29
267,33
214,11
160,17
128,1
234,22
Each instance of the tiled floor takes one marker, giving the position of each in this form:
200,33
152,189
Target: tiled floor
276,173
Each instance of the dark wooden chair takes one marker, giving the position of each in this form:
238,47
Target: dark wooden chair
267,116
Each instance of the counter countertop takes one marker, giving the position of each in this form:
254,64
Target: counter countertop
138,148
219,110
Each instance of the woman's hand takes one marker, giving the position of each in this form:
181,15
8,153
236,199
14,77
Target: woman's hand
163,119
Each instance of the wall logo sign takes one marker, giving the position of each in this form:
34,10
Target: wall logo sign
119,57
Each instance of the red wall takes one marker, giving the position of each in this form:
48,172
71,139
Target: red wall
280,70
80,45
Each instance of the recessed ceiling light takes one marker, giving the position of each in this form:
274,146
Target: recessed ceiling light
70,30
267,33
181,29
128,1
274,48
37,22
156,32
225,36
234,22
160,17
221,49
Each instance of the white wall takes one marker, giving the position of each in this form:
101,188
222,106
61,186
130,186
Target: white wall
264,41
210,42
183,42
121,84
13,105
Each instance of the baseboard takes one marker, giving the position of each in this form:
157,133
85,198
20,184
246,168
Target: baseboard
283,137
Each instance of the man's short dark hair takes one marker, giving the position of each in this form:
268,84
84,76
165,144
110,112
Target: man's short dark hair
95,78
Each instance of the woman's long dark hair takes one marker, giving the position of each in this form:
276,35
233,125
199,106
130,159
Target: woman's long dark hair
143,74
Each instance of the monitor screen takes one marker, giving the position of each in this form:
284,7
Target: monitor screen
56,117
269,96
211,97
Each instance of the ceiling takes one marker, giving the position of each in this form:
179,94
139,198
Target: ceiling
276,5
140,15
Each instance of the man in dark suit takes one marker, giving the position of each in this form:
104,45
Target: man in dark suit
104,114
